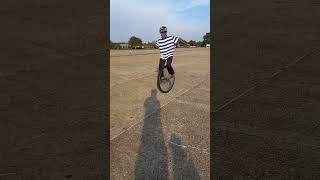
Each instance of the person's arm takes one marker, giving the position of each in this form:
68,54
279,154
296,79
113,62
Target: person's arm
183,42
156,45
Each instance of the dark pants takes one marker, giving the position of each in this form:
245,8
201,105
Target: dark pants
169,61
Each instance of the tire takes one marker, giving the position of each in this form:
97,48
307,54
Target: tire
169,81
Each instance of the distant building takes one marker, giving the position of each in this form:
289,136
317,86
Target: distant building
124,45
208,45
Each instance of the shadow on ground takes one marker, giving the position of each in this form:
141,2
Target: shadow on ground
152,158
183,168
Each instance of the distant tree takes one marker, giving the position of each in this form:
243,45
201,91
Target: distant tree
206,38
149,45
192,43
134,41
199,43
116,46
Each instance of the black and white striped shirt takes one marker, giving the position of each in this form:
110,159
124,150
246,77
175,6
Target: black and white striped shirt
166,46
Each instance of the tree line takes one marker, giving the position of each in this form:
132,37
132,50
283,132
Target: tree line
136,43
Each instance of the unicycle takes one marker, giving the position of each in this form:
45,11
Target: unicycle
166,83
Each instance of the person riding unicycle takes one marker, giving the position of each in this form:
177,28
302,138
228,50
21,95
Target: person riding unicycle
166,44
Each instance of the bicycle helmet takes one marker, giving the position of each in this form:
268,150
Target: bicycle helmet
163,29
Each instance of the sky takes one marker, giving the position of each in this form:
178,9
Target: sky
187,19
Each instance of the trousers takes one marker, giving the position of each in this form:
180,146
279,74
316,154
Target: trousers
169,66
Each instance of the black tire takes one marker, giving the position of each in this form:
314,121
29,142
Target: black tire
169,81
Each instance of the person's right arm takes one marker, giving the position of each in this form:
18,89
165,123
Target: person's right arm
155,45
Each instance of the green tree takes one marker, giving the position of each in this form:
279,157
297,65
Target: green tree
113,45
116,46
192,43
206,38
199,43
134,41
149,45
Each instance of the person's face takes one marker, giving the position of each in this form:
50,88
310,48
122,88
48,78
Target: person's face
163,34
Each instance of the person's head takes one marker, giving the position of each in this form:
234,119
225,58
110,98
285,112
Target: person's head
153,93
163,31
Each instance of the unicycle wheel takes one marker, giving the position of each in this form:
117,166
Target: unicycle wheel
165,82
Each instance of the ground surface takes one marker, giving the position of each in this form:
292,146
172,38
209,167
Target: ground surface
57,128
266,89
52,84
157,135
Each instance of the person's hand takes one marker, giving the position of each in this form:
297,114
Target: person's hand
155,46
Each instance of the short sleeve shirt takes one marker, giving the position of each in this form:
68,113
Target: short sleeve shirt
166,46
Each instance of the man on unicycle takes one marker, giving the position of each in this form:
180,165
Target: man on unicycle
166,44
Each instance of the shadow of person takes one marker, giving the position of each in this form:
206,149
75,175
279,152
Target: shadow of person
183,168
152,160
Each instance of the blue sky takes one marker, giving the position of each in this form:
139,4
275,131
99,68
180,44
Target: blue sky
188,19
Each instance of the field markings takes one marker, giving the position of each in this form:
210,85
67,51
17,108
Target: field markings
198,105
178,66
191,147
174,98
282,136
7,174
247,91
234,99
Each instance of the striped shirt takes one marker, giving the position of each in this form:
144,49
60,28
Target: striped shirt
166,46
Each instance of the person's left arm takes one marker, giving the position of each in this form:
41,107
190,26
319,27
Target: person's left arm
155,45
181,42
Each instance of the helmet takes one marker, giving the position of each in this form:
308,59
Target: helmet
163,29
